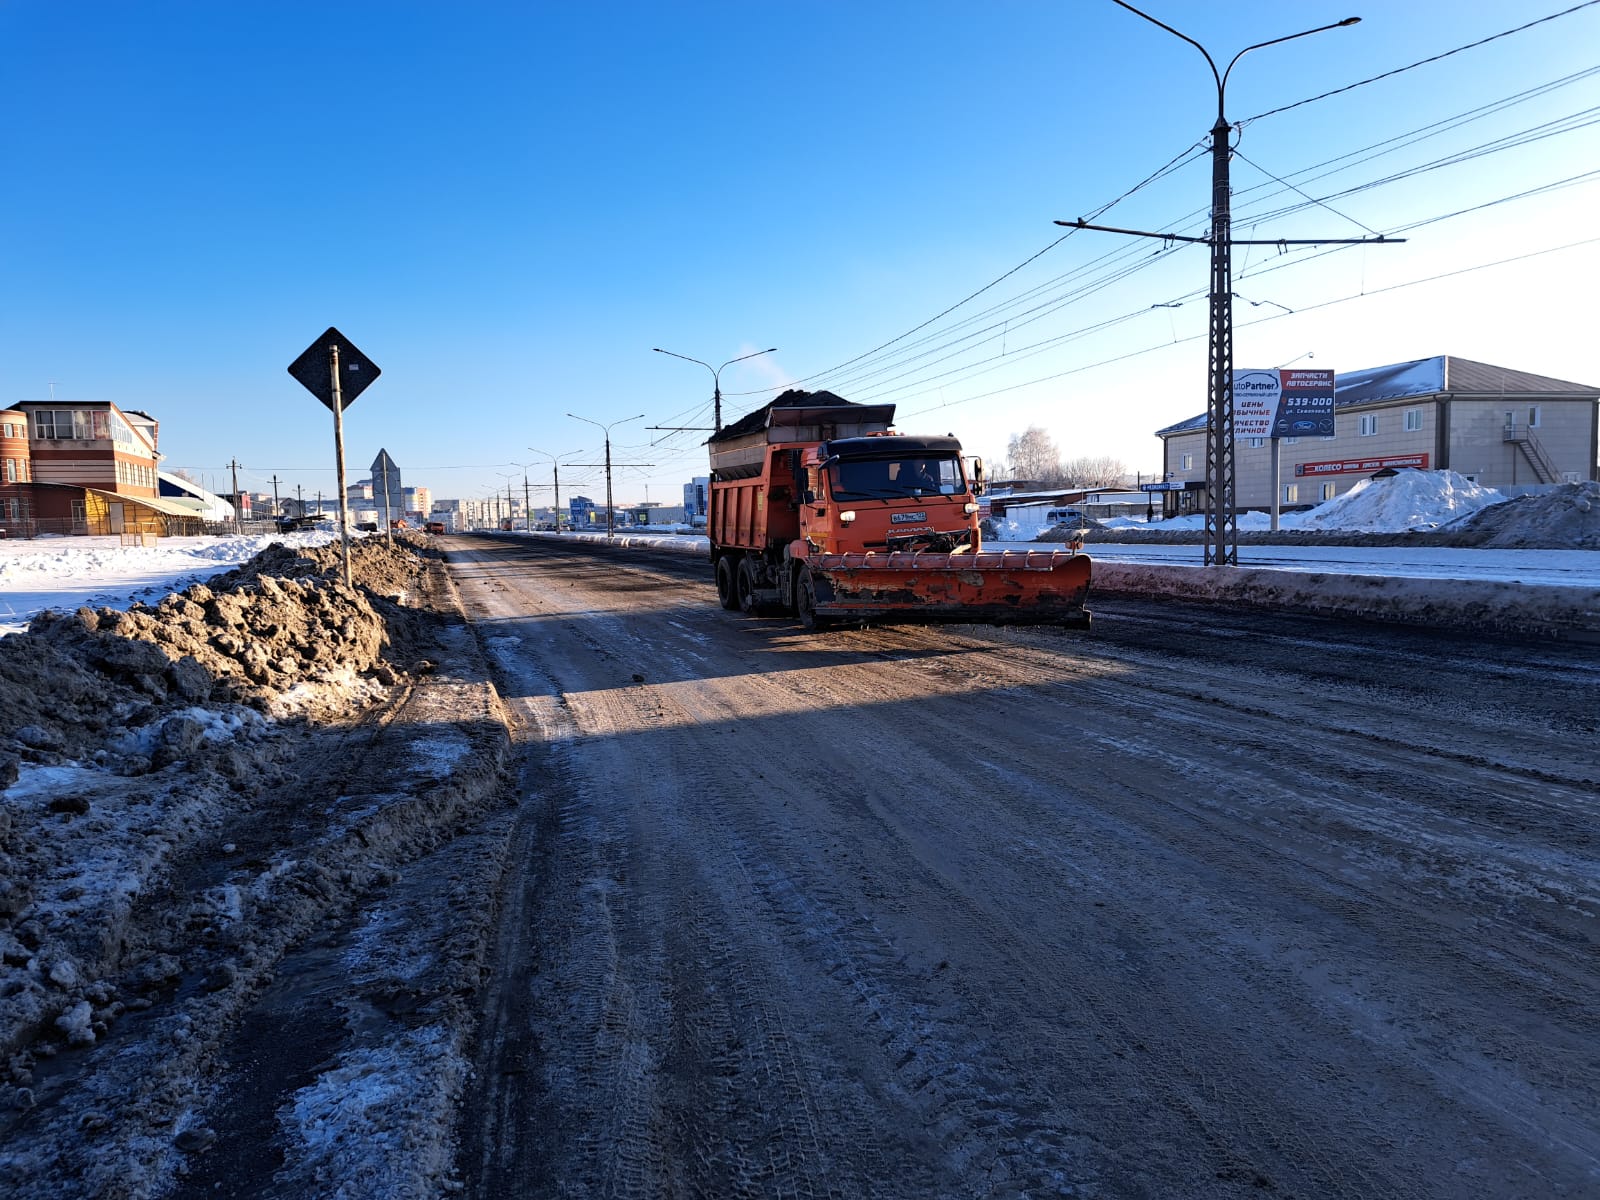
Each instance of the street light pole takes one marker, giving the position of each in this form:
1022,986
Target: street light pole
511,505
716,377
607,429
555,479
1222,533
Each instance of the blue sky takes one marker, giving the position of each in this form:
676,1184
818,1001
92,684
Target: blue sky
506,206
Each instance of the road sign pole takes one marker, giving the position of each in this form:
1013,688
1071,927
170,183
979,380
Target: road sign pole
338,460
388,522
1277,488
308,372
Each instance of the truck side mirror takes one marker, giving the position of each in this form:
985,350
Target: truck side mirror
977,476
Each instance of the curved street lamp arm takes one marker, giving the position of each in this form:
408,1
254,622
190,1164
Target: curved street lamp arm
686,358
1223,82
1222,76
1209,61
752,354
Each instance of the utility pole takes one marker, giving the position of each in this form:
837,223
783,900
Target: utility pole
509,521
555,479
238,503
277,508
527,506
1222,533
610,515
300,499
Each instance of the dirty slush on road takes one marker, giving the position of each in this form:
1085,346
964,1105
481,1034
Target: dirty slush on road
248,835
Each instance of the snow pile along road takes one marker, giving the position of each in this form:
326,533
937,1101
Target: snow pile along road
191,790
1569,516
1407,501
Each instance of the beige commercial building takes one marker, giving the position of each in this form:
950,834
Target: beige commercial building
1500,428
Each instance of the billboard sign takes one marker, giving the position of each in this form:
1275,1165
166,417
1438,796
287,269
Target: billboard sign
1280,404
1255,402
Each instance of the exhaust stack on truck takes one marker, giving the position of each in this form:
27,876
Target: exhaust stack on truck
818,509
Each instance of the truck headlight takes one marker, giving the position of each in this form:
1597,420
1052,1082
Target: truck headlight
969,508
847,516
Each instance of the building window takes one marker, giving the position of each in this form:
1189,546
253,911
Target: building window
1291,493
1290,441
11,470
1188,462
1255,443
1413,420
1330,490
1533,417
1369,424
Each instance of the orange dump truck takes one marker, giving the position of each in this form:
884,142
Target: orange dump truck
818,509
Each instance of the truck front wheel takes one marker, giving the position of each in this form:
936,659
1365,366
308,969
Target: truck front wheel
727,590
745,578
805,603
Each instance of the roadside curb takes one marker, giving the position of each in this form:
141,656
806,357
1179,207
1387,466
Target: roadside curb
1556,613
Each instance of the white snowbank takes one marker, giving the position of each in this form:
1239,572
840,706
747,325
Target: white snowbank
1408,500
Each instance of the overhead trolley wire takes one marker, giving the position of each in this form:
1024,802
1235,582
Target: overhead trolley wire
1176,162
1274,317
1421,62
954,347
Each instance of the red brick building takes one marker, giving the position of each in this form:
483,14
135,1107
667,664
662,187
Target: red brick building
73,466
16,497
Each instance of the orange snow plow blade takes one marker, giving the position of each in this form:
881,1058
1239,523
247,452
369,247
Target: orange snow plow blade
991,587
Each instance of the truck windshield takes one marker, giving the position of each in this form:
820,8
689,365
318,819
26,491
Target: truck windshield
890,478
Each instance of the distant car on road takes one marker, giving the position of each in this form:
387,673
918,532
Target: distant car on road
435,526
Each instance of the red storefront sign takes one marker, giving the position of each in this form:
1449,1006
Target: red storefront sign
1345,466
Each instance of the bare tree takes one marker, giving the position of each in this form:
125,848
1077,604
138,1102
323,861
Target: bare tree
1094,471
1033,455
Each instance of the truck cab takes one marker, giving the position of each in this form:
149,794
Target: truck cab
886,492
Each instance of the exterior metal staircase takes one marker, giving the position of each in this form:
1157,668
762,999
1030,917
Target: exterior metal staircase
1533,451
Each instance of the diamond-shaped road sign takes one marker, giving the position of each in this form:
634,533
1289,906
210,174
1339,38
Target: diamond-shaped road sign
356,370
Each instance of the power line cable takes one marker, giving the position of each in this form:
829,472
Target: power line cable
1274,317
1511,141
1171,165
1422,62
1029,351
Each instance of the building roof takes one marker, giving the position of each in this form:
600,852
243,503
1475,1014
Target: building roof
167,506
1428,377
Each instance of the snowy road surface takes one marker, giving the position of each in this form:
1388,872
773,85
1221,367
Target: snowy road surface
1202,904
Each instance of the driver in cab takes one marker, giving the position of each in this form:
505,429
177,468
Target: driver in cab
920,475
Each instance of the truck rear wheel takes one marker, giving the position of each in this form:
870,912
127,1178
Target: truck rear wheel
727,589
